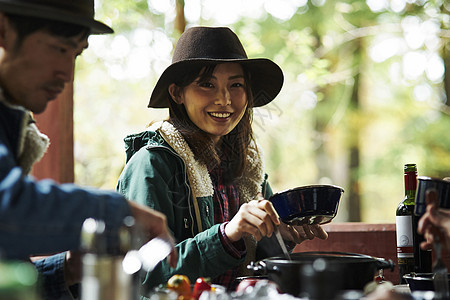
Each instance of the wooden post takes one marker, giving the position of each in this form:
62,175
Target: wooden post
180,20
57,123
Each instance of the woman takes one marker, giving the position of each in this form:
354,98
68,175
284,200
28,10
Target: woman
202,167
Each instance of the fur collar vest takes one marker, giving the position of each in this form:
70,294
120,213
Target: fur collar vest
249,184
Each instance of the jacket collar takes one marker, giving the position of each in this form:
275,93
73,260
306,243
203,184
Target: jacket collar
27,143
248,185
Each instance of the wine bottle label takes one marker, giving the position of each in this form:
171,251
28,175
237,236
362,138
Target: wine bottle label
404,237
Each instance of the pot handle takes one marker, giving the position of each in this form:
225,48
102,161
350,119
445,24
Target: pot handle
260,268
382,263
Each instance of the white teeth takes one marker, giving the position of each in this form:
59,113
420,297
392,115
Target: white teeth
220,115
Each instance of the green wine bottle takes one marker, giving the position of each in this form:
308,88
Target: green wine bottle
404,224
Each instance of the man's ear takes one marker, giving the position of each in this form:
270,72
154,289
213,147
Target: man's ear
7,32
175,93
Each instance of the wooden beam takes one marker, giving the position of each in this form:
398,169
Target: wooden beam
57,123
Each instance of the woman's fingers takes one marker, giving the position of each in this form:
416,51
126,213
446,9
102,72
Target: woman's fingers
267,213
293,234
259,218
307,233
268,208
319,231
249,220
303,232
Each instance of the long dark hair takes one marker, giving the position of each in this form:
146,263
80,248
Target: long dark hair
231,153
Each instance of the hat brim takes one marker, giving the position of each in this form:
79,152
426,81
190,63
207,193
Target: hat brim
266,79
55,14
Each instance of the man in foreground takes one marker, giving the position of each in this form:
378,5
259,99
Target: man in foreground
40,41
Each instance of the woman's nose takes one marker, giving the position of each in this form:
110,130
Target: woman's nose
223,97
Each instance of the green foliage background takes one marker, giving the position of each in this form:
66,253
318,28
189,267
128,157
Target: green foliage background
337,103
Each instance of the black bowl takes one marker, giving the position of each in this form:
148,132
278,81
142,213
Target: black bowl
313,204
420,281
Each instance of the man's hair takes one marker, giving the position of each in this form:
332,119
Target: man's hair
26,25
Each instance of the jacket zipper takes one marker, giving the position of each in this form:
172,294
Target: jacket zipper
185,182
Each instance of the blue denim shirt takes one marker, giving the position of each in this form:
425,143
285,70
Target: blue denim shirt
51,273
39,217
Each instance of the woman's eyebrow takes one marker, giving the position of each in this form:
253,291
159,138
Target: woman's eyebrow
230,77
236,76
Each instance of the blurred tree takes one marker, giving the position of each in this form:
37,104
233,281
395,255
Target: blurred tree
180,20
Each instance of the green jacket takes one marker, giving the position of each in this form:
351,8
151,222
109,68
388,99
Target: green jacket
161,172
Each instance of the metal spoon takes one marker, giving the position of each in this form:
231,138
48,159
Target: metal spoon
281,242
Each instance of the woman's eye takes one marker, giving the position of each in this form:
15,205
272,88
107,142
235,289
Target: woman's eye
205,84
237,84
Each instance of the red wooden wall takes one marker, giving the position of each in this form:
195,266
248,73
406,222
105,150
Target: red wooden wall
57,122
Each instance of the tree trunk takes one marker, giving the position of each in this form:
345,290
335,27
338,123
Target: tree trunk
180,20
355,132
446,58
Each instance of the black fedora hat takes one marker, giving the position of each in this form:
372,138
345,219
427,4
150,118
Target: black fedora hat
218,45
79,12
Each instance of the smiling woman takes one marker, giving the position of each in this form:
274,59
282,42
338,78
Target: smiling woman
202,167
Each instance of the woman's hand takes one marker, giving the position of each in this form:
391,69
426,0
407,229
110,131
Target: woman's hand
303,232
435,222
257,218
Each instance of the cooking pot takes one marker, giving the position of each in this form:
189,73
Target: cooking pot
312,204
312,273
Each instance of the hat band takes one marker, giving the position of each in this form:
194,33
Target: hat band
207,58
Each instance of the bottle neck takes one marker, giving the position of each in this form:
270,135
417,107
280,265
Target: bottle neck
410,186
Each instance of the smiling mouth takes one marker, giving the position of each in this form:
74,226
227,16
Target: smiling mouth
220,115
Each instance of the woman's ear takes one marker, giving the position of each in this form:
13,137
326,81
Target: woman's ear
175,92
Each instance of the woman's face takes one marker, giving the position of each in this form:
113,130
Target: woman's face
217,104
